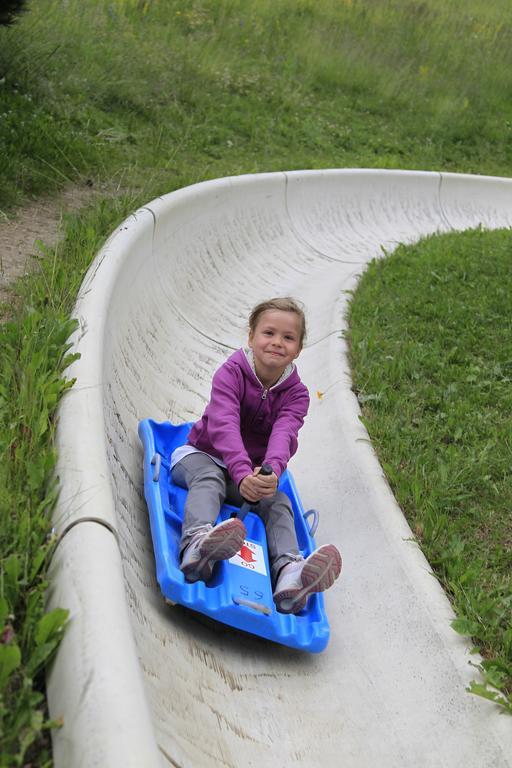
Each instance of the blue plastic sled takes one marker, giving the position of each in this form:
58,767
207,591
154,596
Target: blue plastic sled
240,591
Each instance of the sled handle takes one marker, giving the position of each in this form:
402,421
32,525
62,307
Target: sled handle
250,604
156,462
246,507
316,520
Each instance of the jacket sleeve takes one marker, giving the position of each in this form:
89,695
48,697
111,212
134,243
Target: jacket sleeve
283,440
224,423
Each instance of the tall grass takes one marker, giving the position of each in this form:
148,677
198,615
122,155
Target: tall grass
104,88
33,356
31,372
151,95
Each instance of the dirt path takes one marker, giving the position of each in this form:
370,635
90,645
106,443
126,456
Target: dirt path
40,220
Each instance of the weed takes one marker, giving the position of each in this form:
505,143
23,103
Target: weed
33,354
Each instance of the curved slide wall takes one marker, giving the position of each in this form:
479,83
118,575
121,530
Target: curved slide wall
142,684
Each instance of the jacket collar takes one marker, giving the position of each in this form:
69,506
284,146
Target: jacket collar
288,371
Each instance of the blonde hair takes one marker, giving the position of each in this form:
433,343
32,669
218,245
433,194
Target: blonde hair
284,304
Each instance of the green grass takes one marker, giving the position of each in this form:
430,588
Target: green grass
33,355
431,345
147,96
189,90
31,371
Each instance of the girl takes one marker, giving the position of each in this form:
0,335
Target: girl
257,406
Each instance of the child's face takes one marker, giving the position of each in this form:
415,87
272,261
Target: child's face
275,342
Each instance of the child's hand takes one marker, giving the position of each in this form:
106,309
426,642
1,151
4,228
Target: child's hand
256,487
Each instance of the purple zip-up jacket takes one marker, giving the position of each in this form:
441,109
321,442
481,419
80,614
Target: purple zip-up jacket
246,425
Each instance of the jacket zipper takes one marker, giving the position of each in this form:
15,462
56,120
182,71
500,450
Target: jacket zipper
264,394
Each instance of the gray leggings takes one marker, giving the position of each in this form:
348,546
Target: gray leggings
210,485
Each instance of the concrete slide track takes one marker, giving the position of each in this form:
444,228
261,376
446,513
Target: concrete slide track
143,684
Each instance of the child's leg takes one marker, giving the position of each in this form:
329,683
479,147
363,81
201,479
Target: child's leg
202,545
297,581
283,548
206,485
294,579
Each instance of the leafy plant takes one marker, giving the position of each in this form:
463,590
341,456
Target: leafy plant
33,356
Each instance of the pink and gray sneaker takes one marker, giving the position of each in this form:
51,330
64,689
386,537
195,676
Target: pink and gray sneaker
209,545
299,579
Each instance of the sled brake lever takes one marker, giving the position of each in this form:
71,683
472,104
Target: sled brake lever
246,507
